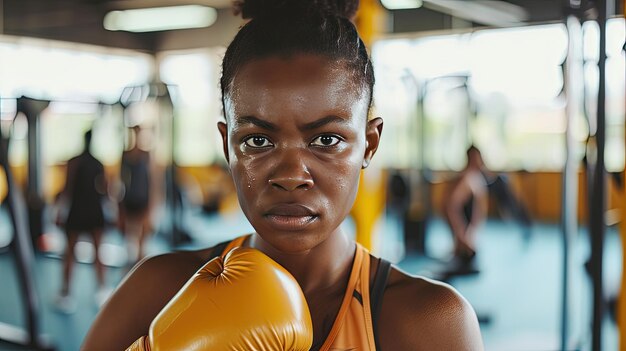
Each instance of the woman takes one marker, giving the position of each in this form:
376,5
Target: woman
465,209
85,188
134,208
297,86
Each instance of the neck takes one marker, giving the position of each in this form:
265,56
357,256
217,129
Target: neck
316,269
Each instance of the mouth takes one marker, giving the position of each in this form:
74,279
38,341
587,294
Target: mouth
290,217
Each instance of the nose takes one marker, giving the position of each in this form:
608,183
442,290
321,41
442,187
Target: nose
291,173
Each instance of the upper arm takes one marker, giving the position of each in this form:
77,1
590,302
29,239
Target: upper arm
452,322
139,298
461,192
481,197
457,195
426,315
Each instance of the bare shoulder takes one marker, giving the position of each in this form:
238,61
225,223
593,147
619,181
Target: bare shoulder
423,314
141,295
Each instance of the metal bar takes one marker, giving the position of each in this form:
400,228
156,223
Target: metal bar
621,302
598,196
32,108
489,12
569,223
24,258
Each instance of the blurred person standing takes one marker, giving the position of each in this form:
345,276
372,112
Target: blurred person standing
135,204
85,188
465,208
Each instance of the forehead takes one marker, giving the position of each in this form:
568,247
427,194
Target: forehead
289,85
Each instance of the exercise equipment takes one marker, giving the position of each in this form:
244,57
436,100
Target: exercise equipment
621,302
159,96
572,89
419,179
32,108
598,184
23,253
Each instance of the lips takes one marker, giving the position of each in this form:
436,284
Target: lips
290,217
291,210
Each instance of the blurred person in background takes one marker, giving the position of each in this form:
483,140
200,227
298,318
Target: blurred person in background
135,204
85,188
465,208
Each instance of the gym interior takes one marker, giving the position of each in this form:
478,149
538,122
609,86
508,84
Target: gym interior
536,85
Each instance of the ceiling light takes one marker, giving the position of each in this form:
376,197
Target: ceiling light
401,4
160,18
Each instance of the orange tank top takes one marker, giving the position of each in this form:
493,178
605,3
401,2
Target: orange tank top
353,328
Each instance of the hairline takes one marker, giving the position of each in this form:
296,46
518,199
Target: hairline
363,86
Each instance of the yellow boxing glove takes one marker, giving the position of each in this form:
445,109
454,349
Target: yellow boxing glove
244,302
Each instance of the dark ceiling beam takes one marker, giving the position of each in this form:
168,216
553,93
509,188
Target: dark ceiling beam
1,16
61,18
542,10
487,12
81,20
74,21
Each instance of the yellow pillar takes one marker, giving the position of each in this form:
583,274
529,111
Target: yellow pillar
370,20
3,185
369,205
370,200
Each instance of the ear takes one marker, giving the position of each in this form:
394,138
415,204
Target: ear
373,131
223,128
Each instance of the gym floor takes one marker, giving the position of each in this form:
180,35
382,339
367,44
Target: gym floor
518,289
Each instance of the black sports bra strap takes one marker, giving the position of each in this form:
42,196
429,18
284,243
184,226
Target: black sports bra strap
376,294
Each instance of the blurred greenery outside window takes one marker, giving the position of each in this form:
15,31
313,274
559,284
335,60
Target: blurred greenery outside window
497,88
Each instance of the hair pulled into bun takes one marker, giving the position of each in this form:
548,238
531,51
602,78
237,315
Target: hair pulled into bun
251,9
286,28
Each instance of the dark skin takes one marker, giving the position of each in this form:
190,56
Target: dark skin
296,139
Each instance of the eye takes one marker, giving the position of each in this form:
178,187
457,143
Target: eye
257,141
326,140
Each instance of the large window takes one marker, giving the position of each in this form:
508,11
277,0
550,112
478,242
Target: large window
500,89
68,72
76,78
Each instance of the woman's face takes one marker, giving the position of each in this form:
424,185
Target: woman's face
296,139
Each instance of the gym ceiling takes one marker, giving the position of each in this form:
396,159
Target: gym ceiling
81,21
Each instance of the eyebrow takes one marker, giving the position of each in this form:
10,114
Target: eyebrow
273,127
255,121
322,122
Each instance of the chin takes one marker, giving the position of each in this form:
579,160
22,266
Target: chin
291,242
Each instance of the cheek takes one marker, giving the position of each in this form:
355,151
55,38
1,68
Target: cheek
341,181
245,178
345,173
